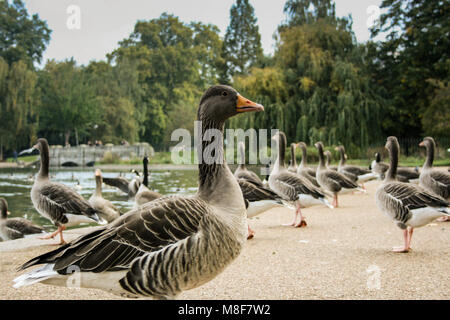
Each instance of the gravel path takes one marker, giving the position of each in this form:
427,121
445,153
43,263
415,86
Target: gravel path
342,254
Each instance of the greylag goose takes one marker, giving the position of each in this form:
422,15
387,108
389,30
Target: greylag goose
333,181
409,205
242,172
328,162
55,201
354,173
105,209
305,171
292,187
144,194
170,244
260,199
293,162
15,228
403,174
436,181
128,187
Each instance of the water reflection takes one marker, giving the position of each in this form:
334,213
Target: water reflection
15,187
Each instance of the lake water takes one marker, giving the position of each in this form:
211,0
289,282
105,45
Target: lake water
15,187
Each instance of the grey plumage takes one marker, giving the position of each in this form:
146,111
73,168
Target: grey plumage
105,209
408,205
15,228
436,181
170,244
242,172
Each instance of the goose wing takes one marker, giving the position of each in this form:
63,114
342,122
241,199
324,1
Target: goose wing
150,228
120,183
408,173
250,176
412,196
355,170
23,226
57,199
335,179
443,180
252,192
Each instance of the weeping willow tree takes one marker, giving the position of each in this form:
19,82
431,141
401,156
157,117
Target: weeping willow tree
17,99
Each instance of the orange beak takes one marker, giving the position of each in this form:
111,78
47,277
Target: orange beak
422,144
245,105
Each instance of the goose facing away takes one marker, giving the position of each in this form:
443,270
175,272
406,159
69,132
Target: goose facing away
328,162
332,181
305,171
105,209
408,205
403,174
144,194
293,162
242,172
437,181
173,243
259,199
292,187
15,228
55,201
354,173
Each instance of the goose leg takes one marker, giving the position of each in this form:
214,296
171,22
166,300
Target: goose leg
410,233
295,219
250,234
54,234
405,248
302,220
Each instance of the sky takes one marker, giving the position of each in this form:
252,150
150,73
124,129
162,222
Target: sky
89,29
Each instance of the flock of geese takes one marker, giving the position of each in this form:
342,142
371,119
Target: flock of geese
168,244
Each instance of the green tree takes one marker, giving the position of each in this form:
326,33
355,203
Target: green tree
412,64
242,43
21,37
18,97
175,61
68,102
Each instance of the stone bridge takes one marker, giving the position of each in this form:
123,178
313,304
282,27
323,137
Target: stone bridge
84,155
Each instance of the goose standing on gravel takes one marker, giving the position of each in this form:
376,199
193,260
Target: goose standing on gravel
242,172
409,205
105,209
293,162
144,194
303,169
403,174
260,199
354,173
15,228
292,187
171,244
436,181
333,181
328,161
55,201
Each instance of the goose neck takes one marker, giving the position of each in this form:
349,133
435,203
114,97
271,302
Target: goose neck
393,163
430,156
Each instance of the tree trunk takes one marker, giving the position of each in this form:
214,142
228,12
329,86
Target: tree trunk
67,136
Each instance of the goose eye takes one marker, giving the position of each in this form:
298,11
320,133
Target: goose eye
224,93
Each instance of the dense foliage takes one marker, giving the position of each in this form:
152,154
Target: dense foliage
320,84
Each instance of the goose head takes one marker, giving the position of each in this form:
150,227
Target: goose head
302,145
41,145
4,208
427,142
221,102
